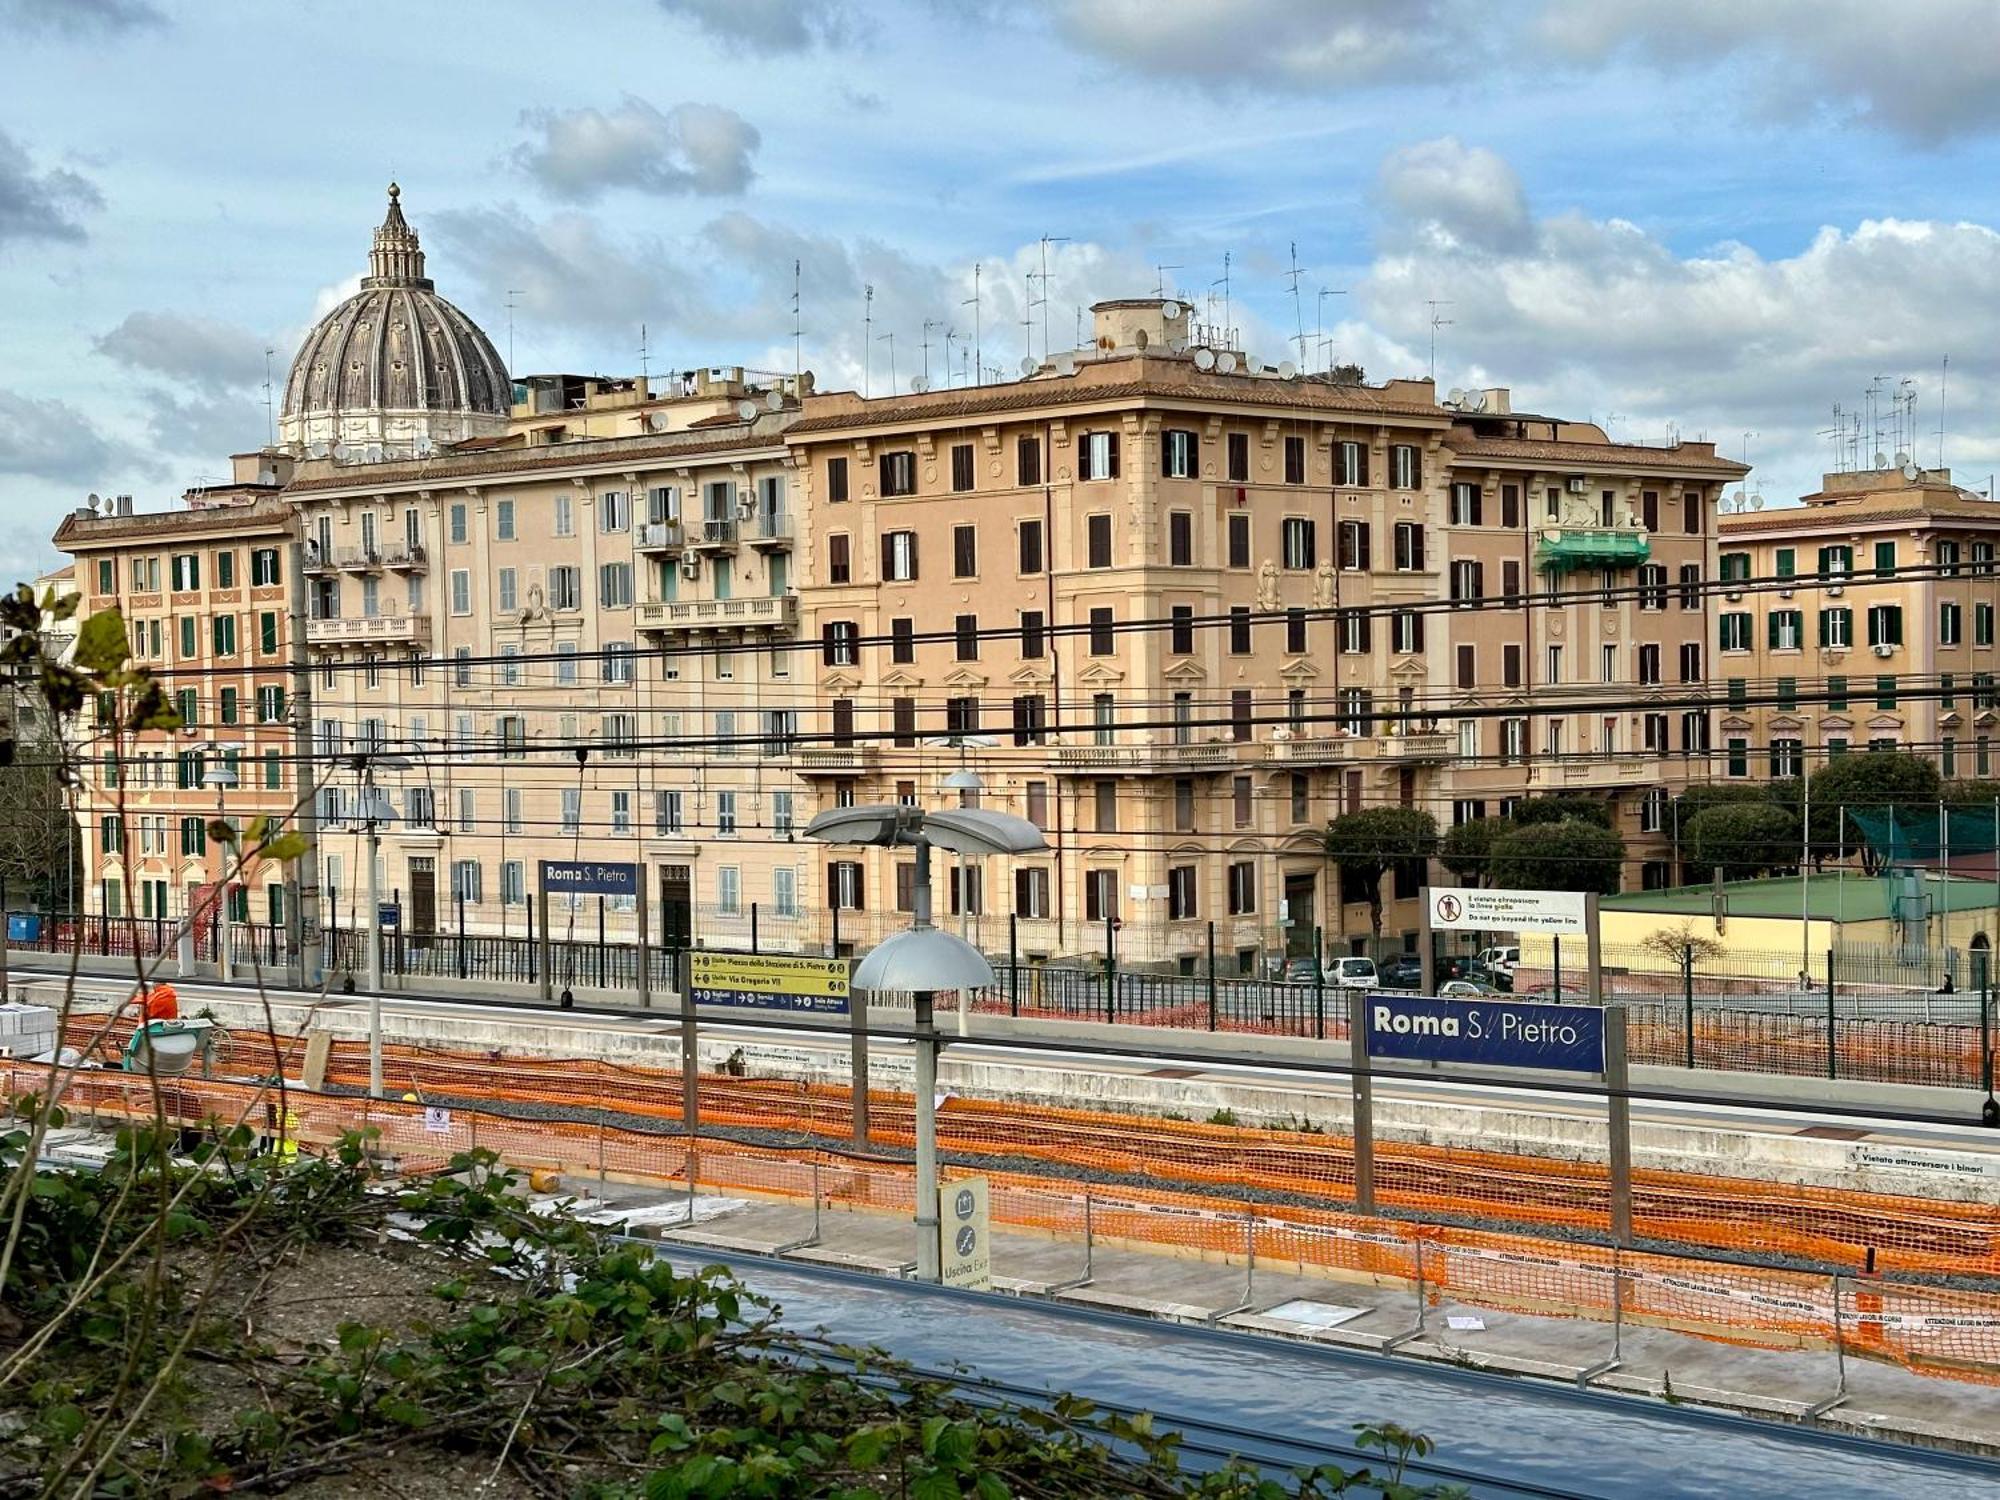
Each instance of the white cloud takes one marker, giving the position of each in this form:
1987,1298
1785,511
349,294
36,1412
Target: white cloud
1459,194
205,351
40,205
691,148
564,269
767,26
43,438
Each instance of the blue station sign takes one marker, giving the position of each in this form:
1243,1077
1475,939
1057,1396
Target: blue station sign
589,877
1489,1033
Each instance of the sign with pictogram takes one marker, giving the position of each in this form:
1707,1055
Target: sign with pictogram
769,981
1468,909
965,1251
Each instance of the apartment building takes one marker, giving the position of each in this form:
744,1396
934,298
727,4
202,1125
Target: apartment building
1862,618
205,592
1179,609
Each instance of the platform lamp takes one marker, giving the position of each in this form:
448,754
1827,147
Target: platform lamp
967,784
924,960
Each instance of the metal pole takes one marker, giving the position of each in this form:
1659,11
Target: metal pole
1013,963
303,908
374,933
1687,996
600,942
1832,1041
1618,1122
1319,989
538,945
1593,953
645,950
924,1035
3,938
461,935
753,927
1821,1408
1556,954
1426,959
857,1055
835,953
1364,1102
1211,975
1110,967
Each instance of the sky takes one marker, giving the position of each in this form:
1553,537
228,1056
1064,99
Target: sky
1695,217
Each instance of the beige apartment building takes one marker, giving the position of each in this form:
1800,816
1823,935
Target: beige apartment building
1861,618
205,592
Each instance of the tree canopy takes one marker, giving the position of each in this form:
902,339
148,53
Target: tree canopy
1742,839
1369,844
1572,855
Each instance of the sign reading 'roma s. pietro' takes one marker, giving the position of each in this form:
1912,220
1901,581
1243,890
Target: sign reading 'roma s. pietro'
1491,1033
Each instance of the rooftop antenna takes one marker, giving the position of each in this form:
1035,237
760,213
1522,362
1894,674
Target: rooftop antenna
1319,320
1028,321
868,339
645,368
798,331
1944,374
1079,327
1298,307
1160,280
512,293
1436,323
271,421
889,338
949,335
929,324
1746,447
1048,240
1223,282
978,366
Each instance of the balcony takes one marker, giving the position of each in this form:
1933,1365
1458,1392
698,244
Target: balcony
769,533
770,613
367,630
834,760
1331,751
1569,548
1124,758
718,534
1417,747
404,557
662,536
358,559
1592,774
317,559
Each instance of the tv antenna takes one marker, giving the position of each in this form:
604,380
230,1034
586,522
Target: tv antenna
889,338
929,324
645,367
271,421
868,340
1298,306
1223,282
798,330
1160,280
978,365
512,293
1048,240
1944,374
1436,323
1319,319
949,335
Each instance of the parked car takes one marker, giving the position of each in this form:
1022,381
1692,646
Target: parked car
1401,971
1353,974
1502,960
1301,970
1466,989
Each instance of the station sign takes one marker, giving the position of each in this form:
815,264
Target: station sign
965,1239
769,981
589,877
1487,1033
1470,909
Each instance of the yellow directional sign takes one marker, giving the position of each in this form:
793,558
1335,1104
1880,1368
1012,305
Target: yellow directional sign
768,981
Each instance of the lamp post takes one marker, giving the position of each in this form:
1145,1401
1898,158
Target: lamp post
221,774
924,960
967,783
375,811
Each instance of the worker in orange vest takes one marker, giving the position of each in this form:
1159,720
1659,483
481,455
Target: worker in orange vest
159,1003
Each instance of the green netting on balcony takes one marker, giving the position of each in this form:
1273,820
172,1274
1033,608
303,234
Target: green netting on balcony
1566,551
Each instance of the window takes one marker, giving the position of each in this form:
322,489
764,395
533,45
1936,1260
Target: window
222,630
1649,664
1352,470
457,522
1180,631
188,637
667,812
461,592
1409,547
1836,628
1357,632
509,591
1242,889
1787,563
1030,537
1295,632
1652,587
1406,632
614,511
1468,579
898,473
961,716
1690,590
902,639
1097,532
1351,546
1295,460
1102,622
965,637
503,520
1239,540
1885,622
1180,539
270,705
1180,453
1885,692
1027,460
1734,632
1297,539
1982,558
839,643
1733,567
614,585
1406,467
1104,803
1787,757
562,517
1951,624
1301,798
1982,624
1238,445
1690,662
1030,719
185,571
725,812
1464,504
565,588
839,566
1787,630
899,556
965,551
107,576
961,466
1239,630
1100,895
619,666
1097,456
836,480
843,721
1885,558
1031,892
1181,903
1240,714
844,885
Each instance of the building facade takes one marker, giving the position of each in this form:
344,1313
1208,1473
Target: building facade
1862,618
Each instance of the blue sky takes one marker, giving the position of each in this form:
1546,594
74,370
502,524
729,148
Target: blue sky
1708,217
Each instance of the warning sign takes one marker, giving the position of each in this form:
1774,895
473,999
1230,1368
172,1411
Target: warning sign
965,1254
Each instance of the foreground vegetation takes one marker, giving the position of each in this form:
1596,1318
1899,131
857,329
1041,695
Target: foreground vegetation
228,1321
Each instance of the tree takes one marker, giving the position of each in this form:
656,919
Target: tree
1567,856
1871,783
1683,942
1699,799
1467,849
1743,839
1565,808
37,833
1369,844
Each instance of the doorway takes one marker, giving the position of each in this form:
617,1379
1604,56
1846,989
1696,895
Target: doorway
1301,910
421,920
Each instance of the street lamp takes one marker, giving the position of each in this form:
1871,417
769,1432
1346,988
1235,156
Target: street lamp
924,960
967,783
220,773
376,809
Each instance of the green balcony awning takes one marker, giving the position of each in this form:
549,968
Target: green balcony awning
1566,550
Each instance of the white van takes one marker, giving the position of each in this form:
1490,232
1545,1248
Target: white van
1503,960
1352,973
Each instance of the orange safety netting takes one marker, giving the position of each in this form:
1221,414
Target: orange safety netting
1927,1330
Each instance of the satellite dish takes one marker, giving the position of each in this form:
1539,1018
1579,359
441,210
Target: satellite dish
1171,309
341,452
1757,502
656,421
1475,401
1204,359
1225,363
1287,370
1252,365
918,384
1881,459
1910,472
747,410
775,399
1177,346
1029,364
1455,396
1902,457
1065,363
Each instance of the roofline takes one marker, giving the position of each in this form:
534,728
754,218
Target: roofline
650,451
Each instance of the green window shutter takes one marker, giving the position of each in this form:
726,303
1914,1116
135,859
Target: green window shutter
1788,562
1771,628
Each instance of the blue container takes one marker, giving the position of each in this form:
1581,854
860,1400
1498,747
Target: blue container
24,927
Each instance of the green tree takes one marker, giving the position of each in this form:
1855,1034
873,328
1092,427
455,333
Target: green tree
1570,807
1743,839
1371,843
1872,782
1567,856
1466,849
1699,799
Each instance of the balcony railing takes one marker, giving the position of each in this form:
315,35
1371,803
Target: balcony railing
768,613
403,556
1318,752
768,530
718,532
1418,746
358,559
833,760
362,629
1125,758
1593,774
662,536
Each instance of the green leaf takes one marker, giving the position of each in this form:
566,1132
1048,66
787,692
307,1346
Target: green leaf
868,1447
101,644
287,846
992,1487
936,1486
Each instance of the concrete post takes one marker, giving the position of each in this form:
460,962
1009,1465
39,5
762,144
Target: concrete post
857,1053
645,950
1618,1122
924,1034
1364,1101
